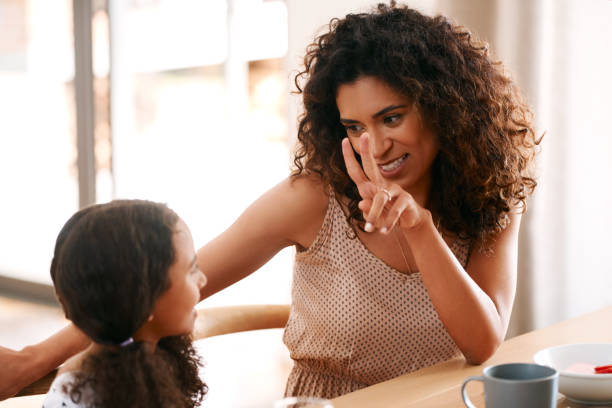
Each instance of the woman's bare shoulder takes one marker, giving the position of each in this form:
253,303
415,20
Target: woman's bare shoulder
309,191
304,203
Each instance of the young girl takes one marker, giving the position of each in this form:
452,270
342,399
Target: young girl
412,171
126,275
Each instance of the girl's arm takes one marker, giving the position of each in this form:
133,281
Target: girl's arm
21,368
291,213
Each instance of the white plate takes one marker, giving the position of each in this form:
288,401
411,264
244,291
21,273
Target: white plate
583,388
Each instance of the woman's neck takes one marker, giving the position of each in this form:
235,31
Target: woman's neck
421,193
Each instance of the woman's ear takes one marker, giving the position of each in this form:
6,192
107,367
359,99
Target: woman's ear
150,318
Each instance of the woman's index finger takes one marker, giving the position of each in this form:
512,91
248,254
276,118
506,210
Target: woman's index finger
369,163
353,167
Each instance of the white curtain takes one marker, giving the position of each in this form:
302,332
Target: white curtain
560,53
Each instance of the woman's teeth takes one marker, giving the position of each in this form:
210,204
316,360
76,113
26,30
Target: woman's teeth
394,164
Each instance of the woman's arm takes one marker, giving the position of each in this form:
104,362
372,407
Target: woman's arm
20,368
474,304
291,213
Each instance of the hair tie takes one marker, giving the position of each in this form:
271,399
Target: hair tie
126,342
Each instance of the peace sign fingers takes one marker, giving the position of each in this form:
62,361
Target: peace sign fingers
366,188
384,204
370,183
352,165
382,195
369,163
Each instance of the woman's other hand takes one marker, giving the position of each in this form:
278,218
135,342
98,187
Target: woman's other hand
14,374
21,368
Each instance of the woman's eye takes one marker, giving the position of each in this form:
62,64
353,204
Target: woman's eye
391,119
353,129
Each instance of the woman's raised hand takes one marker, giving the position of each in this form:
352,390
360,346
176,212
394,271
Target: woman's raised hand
383,204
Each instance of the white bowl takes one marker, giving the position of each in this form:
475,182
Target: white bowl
582,388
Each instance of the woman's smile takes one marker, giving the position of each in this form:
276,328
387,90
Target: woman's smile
394,167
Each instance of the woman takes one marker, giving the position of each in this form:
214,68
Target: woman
414,260
406,252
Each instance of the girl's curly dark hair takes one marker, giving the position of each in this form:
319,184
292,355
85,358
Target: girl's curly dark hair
487,142
138,376
110,265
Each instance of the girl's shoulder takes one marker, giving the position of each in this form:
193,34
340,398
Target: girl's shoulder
74,363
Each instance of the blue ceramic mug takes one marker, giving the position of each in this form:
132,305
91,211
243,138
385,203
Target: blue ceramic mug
517,385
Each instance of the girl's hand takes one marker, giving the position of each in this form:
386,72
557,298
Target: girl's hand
384,204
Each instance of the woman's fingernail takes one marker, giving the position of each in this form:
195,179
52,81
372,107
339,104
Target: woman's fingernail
368,227
383,230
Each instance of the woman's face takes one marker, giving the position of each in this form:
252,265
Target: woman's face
174,313
403,148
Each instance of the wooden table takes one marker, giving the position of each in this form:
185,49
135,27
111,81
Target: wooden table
440,385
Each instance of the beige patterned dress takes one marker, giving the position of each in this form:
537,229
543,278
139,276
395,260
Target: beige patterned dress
355,321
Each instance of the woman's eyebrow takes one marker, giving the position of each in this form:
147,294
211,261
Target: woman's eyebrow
377,114
387,109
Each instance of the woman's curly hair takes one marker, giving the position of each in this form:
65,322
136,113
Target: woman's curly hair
110,265
487,142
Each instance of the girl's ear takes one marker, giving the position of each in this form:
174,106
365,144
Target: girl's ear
150,317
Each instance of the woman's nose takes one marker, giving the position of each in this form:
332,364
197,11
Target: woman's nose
379,143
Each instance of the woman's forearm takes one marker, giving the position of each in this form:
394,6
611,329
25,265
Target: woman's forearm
53,351
469,314
20,368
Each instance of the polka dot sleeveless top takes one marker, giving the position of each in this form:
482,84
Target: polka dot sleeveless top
355,321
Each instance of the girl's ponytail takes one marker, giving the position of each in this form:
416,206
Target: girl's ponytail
137,375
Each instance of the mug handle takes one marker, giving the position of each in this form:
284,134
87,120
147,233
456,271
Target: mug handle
466,399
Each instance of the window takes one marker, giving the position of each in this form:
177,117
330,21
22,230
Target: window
199,114
38,171
190,109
